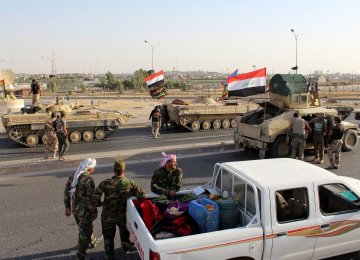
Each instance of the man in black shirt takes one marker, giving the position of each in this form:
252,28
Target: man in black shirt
36,91
335,143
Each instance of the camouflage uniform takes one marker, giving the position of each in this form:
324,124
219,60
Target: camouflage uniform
117,190
51,136
163,181
83,209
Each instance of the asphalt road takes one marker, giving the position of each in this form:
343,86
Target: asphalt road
33,225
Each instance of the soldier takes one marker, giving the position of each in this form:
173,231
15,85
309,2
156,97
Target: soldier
62,135
167,179
155,117
298,142
319,126
79,189
51,138
116,192
335,143
36,91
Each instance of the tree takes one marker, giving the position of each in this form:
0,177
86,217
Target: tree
139,79
127,84
112,81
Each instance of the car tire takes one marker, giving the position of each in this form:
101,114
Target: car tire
350,140
280,149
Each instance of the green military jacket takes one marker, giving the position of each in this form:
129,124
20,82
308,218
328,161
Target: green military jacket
116,192
82,197
163,181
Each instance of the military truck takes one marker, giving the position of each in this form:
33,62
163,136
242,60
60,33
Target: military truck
84,125
203,113
266,129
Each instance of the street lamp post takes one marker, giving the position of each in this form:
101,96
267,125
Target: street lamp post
296,66
152,54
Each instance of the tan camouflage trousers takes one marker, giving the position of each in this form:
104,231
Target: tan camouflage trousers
35,99
334,151
297,147
51,141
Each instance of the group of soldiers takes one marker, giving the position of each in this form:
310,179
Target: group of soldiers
82,199
326,133
56,136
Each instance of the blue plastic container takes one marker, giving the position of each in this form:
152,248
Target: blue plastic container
205,212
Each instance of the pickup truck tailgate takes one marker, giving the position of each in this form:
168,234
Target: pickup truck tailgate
138,231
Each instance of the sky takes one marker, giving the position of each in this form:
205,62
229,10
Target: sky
93,36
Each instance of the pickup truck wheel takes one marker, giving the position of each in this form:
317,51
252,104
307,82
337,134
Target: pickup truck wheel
280,149
350,140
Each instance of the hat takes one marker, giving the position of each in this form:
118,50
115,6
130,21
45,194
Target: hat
119,165
53,114
63,113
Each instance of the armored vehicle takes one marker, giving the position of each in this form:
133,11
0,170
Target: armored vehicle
203,113
266,128
84,125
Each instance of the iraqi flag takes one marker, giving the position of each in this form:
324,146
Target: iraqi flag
155,80
247,84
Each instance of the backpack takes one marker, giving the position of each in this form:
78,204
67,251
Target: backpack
59,125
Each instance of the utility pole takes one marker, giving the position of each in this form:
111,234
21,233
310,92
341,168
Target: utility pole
53,64
296,66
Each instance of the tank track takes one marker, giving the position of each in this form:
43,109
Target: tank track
39,144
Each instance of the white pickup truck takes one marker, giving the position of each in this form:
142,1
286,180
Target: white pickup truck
288,209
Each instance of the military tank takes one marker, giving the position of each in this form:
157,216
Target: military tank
204,113
84,125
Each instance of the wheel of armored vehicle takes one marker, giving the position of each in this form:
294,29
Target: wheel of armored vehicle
350,140
195,126
233,123
225,123
280,149
75,137
15,133
216,124
206,125
88,136
32,140
100,134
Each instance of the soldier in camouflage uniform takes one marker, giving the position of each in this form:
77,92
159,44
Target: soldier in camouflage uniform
79,189
335,144
117,190
167,179
51,138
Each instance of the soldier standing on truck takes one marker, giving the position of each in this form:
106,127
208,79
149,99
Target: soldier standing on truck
319,126
36,91
77,196
116,192
335,143
51,138
299,134
167,179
